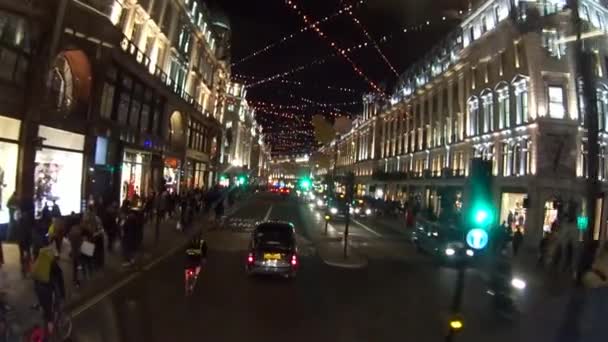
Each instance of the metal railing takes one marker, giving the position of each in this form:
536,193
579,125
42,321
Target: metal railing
131,48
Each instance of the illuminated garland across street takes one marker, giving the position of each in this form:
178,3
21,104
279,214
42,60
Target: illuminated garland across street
343,10
335,46
384,39
372,41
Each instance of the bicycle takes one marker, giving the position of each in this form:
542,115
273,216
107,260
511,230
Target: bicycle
58,330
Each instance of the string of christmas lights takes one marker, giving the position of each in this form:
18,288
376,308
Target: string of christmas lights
291,4
341,52
371,40
285,38
245,79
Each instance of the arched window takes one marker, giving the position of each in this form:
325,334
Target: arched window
602,107
504,105
487,99
474,121
520,88
176,128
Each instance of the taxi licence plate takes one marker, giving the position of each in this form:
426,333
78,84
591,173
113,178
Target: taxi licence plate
272,256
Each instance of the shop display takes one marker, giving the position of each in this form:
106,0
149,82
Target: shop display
512,212
8,174
58,180
171,175
135,176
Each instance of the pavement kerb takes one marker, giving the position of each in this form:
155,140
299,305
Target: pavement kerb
351,265
332,254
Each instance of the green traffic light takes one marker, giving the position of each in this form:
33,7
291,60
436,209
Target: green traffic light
305,184
481,216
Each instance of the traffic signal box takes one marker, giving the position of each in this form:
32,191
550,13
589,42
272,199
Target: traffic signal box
480,214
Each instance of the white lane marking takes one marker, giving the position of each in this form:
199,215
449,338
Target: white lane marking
99,297
268,213
367,228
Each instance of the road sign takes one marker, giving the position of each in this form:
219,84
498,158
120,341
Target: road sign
477,238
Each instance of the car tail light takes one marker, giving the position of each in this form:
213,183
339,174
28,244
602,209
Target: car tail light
250,258
294,260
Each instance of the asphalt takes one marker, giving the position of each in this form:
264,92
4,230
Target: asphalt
400,296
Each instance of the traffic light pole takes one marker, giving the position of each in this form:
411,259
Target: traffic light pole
457,299
585,65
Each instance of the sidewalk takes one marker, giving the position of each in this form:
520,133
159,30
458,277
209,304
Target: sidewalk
20,294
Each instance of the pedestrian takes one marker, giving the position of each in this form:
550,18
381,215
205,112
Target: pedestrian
93,233
13,207
110,224
129,238
518,238
55,211
542,250
76,238
219,210
23,233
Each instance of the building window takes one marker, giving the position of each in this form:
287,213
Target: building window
517,55
124,99
504,107
107,101
135,108
488,112
474,121
602,108
551,42
507,160
521,101
556,102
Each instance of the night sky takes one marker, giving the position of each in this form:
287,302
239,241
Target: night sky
285,105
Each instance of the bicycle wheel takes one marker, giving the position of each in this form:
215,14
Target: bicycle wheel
64,326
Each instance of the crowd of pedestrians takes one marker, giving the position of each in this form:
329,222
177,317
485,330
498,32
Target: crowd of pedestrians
51,244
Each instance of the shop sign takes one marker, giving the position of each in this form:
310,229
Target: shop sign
9,128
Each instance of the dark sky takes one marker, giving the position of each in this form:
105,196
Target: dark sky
257,23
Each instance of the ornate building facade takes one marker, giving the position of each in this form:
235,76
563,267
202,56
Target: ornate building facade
109,99
500,87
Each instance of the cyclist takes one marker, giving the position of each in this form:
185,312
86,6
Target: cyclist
48,285
196,252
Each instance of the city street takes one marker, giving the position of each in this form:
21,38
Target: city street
398,296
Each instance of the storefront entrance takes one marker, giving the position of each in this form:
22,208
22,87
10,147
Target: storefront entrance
9,152
135,176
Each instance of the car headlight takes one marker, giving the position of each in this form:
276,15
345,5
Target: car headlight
319,202
351,210
312,197
357,210
334,211
368,211
519,284
450,251
470,252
